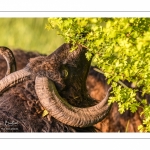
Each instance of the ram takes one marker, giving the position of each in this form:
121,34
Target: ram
49,94
96,86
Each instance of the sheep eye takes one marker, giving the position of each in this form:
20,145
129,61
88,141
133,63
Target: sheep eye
64,72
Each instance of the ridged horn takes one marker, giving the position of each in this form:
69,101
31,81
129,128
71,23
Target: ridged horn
63,111
13,78
10,59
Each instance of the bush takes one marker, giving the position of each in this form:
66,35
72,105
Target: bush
120,49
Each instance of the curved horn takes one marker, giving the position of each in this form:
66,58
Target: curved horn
10,59
63,111
13,78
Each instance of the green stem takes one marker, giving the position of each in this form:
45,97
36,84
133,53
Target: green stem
121,83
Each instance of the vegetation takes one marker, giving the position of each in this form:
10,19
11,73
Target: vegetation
121,50
28,34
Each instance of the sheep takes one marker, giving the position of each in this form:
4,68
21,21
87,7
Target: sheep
49,94
97,87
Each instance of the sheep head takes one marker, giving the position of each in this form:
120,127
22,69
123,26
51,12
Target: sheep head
60,78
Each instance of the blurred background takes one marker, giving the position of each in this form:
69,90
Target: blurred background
28,34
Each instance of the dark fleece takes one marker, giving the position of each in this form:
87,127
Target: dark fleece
20,110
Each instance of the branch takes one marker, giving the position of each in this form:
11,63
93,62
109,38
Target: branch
120,82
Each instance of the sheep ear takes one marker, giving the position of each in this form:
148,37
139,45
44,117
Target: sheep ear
61,110
10,59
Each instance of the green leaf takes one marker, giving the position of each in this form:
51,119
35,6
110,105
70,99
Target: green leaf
121,48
